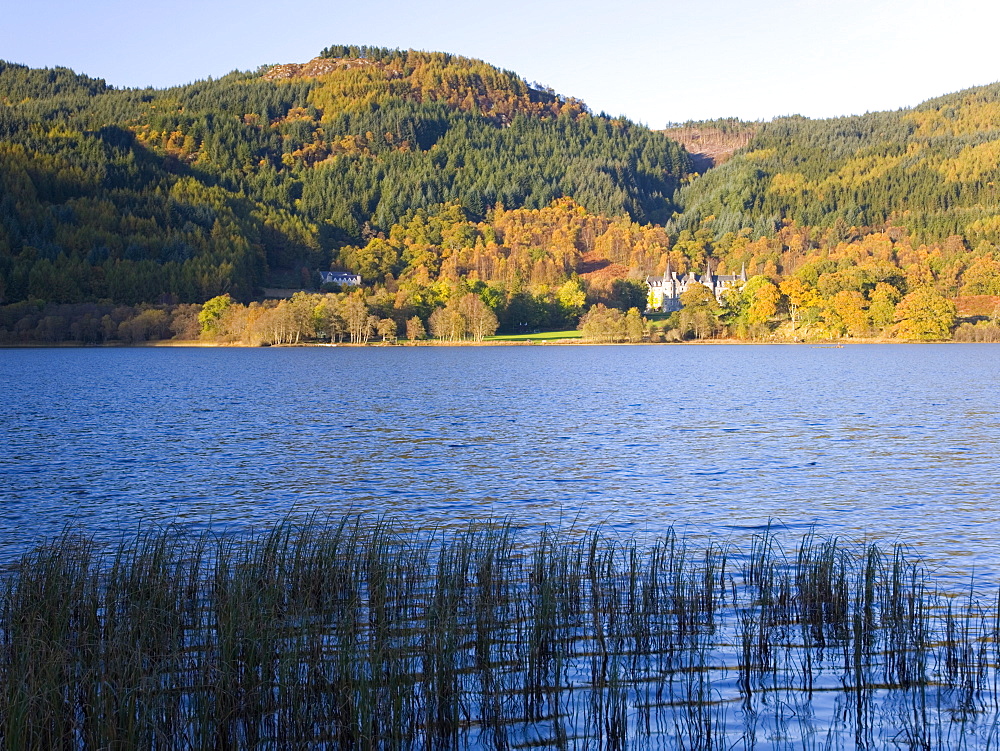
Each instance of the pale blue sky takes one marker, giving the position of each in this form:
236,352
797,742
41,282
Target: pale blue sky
651,61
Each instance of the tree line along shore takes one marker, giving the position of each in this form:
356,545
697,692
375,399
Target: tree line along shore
760,311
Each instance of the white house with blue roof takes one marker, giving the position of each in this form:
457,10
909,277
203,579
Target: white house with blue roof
342,278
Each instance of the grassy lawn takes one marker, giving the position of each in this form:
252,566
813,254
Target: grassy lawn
542,336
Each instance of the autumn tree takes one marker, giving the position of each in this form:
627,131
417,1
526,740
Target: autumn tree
764,298
982,277
150,324
754,306
846,313
360,324
699,314
799,295
882,306
415,329
386,328
448,323
924,315
603,324
300,316
480,321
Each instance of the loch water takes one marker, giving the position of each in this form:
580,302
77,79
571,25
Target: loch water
722,444
897,442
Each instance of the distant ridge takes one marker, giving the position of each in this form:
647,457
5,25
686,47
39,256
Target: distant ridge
932,169
318,66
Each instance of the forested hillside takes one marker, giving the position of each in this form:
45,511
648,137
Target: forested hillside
229,185
461,193
932,170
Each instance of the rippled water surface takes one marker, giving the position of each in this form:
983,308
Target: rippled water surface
890,441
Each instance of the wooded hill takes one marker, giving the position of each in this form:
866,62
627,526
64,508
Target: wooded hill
933,170
232,184
436,176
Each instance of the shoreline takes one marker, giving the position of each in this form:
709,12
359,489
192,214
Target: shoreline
199,344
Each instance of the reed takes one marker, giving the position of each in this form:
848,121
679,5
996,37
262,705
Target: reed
360,633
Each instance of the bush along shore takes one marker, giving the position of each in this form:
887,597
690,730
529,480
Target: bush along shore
356,633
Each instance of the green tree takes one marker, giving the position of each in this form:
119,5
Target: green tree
635,325
373,261
628,293
212,312
327,318
603,324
